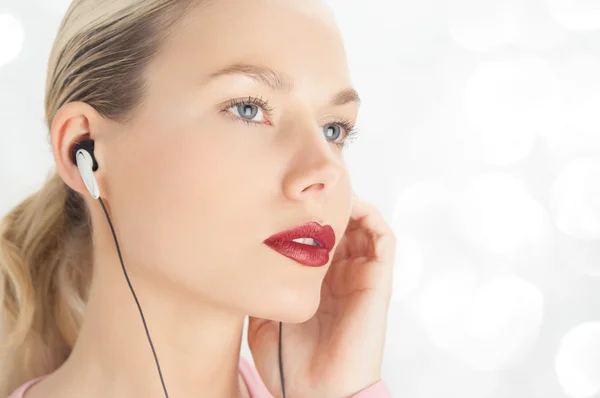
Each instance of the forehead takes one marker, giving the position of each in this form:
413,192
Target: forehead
297,37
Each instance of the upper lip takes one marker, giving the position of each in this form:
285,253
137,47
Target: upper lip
323,235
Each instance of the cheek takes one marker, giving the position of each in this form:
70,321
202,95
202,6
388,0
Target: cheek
193,209
343,196
342,208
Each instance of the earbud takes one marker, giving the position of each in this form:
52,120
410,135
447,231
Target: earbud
83,156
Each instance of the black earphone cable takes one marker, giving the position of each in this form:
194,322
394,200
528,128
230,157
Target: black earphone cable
136,300
281,360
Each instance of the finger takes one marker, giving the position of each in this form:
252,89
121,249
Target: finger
368,217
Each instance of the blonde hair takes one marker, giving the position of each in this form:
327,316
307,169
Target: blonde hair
98,57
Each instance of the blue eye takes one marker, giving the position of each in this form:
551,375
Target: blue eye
340,133
251,110
333,131
247,111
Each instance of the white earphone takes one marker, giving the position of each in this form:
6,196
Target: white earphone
85,163
82,155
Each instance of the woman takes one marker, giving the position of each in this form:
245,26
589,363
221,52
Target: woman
212,126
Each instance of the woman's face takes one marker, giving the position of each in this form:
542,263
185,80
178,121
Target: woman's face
240,137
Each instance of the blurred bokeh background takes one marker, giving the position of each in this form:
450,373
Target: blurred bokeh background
480,142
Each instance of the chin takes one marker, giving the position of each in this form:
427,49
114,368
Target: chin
297,315
292,308
299,309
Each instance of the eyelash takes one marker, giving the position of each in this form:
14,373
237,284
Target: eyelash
350,128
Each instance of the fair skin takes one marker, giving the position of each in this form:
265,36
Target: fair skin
193,191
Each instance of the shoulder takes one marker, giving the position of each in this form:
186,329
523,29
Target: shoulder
247,370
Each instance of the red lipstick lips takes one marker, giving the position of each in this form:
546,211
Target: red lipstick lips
305,254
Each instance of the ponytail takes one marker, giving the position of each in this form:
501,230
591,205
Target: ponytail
45,270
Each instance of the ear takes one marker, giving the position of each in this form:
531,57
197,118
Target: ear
74,122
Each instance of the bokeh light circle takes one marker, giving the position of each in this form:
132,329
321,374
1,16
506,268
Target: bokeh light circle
12,36
577,362
575,199
496,213
490,324
576,14
507,102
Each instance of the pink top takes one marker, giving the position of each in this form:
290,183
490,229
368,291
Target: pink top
255,385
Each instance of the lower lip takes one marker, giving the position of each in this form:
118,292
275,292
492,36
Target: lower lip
311,256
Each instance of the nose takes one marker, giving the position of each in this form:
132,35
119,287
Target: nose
316,168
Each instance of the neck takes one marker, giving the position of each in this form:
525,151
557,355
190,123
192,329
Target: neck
197,342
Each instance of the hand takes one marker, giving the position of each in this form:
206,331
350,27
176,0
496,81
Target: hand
339,351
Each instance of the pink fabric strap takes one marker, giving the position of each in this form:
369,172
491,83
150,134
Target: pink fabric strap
21,390
254,382
377,390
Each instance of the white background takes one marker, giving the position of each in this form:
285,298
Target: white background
479,141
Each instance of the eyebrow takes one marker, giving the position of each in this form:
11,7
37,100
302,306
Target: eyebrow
279,81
